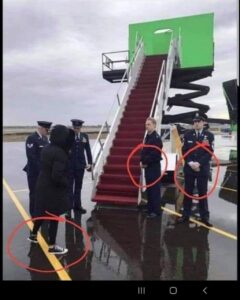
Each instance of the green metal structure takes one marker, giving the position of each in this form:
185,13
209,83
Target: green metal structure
196,38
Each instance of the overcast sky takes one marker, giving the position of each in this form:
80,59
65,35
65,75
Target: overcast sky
52,54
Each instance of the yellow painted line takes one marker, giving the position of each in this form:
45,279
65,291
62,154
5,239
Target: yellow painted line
217,186
217,230
63,275
22,190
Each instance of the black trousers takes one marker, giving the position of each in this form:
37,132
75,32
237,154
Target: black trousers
32,180
75,184
52,230
154,192
202,186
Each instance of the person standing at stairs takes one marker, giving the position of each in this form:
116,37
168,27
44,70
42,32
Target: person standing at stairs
150,160
197,168
78,164
34,145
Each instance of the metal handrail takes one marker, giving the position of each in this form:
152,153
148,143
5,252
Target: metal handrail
160,80
114,112
179,45
170,64
128,70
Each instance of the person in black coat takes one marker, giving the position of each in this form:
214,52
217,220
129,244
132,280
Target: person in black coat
150,161
52,185
34,145
80,159
197,168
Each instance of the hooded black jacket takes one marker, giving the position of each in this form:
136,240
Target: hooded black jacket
52,192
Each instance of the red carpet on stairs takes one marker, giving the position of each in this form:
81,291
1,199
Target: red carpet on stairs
115,186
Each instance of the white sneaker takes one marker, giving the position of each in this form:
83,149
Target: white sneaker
57,250
33,238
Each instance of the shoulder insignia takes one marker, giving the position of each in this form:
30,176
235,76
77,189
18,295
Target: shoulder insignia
29,145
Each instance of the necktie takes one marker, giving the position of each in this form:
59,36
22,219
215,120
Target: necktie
198,135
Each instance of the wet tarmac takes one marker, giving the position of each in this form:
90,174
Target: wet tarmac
125,245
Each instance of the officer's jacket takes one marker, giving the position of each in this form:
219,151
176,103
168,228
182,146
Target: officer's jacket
77,152
150,156
199,155
34,145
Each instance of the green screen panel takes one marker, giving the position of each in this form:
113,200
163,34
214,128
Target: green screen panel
195,32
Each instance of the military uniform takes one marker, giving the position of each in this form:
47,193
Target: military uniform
78,163
34,145
201,176
151,158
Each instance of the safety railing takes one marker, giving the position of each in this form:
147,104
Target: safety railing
115,60
108,130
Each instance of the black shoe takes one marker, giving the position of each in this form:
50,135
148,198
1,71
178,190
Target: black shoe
182,220
82,210
205,222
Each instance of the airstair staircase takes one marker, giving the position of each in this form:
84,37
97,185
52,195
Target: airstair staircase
144,95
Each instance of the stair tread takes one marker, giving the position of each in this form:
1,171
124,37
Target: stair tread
118,185
122,148
120,155
123,139
114,199
118,176
115,165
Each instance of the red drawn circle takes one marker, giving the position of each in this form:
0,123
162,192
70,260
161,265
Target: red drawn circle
139,146
199,145
56,218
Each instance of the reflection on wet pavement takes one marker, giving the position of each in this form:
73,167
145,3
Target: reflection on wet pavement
137,248
75,244
37,260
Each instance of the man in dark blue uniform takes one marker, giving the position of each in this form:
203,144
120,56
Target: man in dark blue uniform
197,167
78,164
150,161
34,144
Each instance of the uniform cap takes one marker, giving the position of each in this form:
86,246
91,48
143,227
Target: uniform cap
198,116
77,122
44,124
